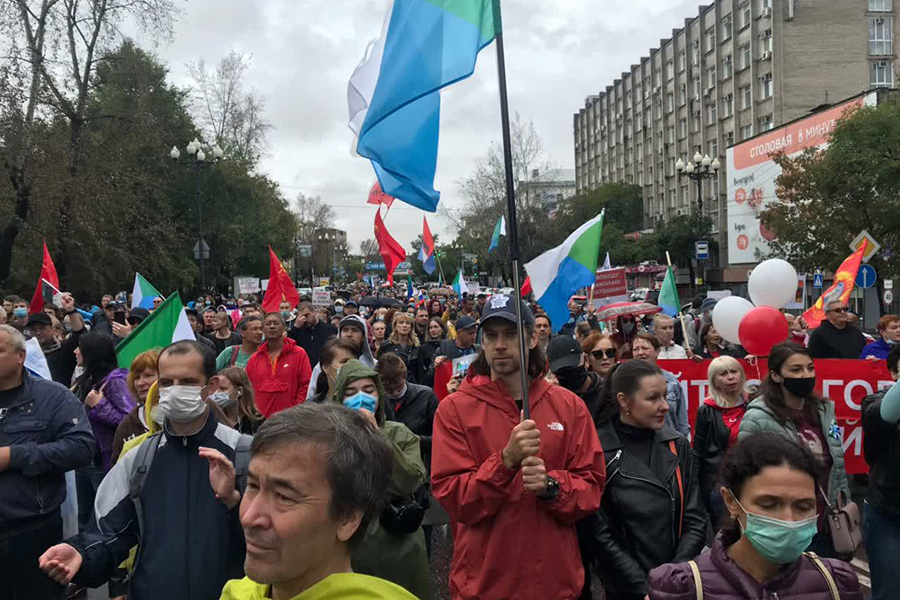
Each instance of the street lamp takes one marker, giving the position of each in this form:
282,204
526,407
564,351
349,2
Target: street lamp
197,162
702,167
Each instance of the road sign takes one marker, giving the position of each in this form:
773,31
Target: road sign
197,248
888,296
865,277
701,248
818,281
304,250
871,249
888,284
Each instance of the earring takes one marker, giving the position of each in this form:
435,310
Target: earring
628,412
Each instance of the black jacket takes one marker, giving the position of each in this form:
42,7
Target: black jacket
881,446
637,526
47,432
449,349
312,339
426,359
416,410
61,361
592,395
409,354
711,437
192,543
827,341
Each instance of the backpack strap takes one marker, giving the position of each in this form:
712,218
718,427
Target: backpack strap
826,573
242,462
698,582
143,460
674,452
234,355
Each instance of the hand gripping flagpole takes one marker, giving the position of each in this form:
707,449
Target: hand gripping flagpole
514,254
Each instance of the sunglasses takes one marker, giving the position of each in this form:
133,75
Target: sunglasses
599,354
838,310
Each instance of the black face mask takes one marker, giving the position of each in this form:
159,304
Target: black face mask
627,327
802,387
571,378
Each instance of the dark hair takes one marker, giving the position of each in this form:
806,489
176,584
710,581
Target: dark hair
99,353
893,358
750,456
192,313
544,316
329,350
275,314
13,299
185,347
537,361
624,377
244,323
647,337
773,393
440,322
390,367
306,305
357,461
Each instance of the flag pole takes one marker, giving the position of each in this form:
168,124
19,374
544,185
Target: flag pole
514,253
684,331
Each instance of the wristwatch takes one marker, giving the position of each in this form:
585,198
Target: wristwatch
552,491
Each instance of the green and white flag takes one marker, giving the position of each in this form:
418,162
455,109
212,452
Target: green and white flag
166,325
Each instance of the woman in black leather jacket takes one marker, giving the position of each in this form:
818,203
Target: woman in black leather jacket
651,513
716,428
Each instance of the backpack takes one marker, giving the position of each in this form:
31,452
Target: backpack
146,452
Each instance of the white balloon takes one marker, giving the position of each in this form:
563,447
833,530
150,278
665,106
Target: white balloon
727,317
773,283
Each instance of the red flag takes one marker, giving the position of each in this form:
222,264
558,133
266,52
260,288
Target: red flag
377,196
281,288
427,238
43,293
844,281
526,287
391,251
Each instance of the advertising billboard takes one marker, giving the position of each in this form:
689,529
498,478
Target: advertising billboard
752,174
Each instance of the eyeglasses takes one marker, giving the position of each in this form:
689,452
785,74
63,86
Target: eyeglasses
599,354
838,310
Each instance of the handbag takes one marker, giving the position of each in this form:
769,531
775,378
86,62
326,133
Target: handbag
843,524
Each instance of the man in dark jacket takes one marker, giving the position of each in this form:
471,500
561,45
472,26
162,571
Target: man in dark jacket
408,403
186,514
309,332
835,338
463,345
60,355
43,434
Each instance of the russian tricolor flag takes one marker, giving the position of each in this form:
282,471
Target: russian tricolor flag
426,253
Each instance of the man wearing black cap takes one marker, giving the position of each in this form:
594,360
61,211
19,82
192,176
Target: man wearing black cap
351,308
463,345
567,364
480,301
493,472
60,355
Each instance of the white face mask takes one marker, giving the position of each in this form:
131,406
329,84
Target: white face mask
181,403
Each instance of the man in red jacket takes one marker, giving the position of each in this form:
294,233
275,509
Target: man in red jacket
279,369
514,488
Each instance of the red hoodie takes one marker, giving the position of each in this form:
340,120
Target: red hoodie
508,543
280,384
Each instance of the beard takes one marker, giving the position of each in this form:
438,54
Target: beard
505,365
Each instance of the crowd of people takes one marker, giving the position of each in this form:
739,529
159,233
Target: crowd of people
312,452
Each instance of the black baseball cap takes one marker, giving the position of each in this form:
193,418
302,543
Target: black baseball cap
138,314
40,318
502,307
563,351
465,322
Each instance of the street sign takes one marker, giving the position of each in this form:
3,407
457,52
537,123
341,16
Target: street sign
197,248
871,249
888,284
701,248
865,277
698,281
304,250
818,281
888,296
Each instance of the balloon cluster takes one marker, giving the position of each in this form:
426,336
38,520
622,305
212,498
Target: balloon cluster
759,325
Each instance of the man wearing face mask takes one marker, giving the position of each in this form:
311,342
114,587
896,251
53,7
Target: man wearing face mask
567,363
184,513
19,312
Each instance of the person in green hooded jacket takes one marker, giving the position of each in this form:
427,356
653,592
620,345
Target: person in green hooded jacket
397,557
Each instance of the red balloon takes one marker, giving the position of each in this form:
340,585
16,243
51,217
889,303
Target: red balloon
762,328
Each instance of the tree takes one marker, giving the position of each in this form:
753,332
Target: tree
313,215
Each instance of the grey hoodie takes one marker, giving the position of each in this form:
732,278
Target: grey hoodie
366,358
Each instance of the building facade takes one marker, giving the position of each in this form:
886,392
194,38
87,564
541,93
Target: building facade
738,68
549,188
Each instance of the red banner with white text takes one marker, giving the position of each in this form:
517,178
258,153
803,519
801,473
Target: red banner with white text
844,382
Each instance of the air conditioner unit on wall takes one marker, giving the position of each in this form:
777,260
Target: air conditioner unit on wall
765,56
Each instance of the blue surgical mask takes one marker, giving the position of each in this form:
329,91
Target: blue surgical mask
338,309
779,542
223,399
362,400
286,315
20,313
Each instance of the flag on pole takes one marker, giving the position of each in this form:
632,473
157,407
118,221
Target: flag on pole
459,285
606,264
143,294
377,196
47,285
409,286
394,94
426,252
526,287
440,280
35,361
281,287
389,248
165,325
844,282
560,272
499,229
668,295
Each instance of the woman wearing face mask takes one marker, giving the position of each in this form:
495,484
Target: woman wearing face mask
601,353
404,343
651,513
769,487
788,405
716,429
626,330
436,332
142,374
394,549
235,398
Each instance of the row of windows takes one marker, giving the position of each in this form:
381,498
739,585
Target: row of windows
881,36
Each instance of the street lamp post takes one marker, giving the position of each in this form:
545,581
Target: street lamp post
701,168
198,161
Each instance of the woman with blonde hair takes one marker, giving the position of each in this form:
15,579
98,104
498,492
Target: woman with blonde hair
404,343
716,428
235,398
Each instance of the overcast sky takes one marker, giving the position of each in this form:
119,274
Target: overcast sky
304,52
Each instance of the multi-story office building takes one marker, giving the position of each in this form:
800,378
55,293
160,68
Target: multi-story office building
549,187
738,68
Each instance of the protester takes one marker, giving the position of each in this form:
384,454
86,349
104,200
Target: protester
626,330
421,316
279,370
17,312
889,330
335,355
436,333
645,347
235,398
881,445
651,512
789,406
60,355
197,326
600,352
712,344
394,548
310,332
576,316
44,434
403,342
582,330
769,486
142,374
544,330
798,328
463,345
351,308
475,470
834,338
2,316
222,336
716,428
567,363
664,330
251,338
355,331
209,321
